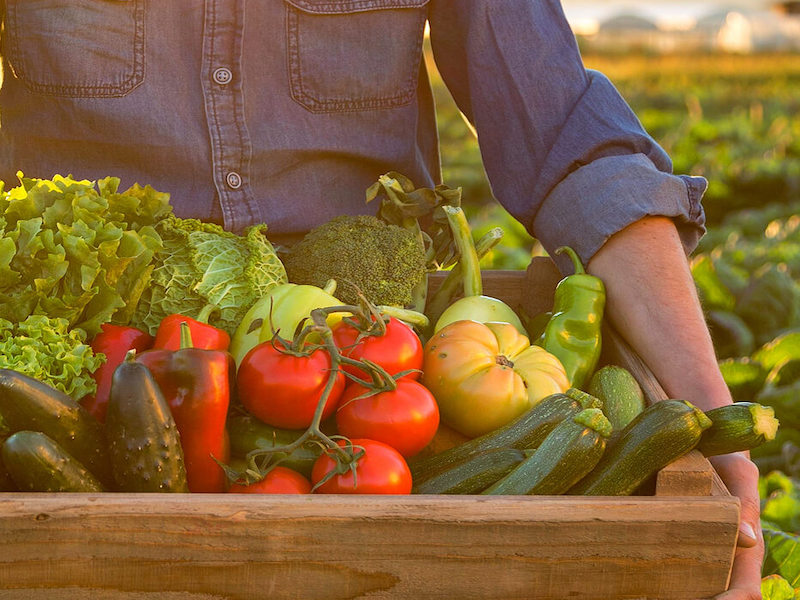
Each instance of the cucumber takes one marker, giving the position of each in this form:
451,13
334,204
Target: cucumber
661,433
526,431
6,483
143,440
571,450
474,474
28,404
621,395
37,463
248,433
738,426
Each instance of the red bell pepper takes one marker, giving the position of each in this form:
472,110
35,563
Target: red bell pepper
204,335
196,384
114,341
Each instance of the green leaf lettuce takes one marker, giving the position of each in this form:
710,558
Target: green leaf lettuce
47,350
77,251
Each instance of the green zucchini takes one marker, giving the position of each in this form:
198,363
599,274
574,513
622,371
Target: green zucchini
143,440
566,455
621,395
37,463
473,474
30,405
526,431
661,433
738,426
248,433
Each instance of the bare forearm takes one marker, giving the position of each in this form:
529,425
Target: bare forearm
652,302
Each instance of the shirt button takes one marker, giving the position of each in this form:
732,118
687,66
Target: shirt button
223,75
234,180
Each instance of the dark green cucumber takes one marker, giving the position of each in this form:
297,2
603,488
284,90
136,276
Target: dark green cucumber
621,395
143,440
248,433
30,405
37,463
6,483
474,474
738,426
526,431
661,433
565,456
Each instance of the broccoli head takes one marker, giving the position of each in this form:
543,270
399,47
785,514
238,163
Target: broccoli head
363,253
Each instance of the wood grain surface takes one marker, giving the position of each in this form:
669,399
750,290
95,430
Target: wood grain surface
214,546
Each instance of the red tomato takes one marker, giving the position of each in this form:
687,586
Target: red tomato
280,480
283,390
381,470
399,349
406,418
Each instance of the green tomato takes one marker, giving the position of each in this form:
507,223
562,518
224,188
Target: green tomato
483,309
282,309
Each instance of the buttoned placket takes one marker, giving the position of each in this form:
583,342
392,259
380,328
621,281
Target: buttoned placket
224,102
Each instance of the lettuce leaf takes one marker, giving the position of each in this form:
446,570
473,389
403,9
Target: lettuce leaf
201,264
75,250
48,350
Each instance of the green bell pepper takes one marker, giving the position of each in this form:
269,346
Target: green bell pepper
573,333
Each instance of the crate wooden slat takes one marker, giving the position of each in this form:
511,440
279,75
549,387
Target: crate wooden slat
675,545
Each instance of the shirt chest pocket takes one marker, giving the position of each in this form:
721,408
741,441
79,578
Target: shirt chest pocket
79,48
351,55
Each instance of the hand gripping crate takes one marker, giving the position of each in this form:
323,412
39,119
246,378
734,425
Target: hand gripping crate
676,544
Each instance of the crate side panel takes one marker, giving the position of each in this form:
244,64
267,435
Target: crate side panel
378,547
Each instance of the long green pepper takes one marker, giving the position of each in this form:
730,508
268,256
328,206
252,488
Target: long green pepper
573,333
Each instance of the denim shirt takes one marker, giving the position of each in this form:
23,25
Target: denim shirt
284,111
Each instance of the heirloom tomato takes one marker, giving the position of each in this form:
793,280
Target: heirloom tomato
283,389
405,417
381,470
398,349
485,374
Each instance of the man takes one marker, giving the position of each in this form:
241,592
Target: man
284,111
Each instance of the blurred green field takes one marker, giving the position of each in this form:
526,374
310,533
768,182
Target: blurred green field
734,119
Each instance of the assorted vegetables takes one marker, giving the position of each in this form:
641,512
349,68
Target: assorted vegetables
186,360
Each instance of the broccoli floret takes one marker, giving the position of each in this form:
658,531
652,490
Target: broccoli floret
362,252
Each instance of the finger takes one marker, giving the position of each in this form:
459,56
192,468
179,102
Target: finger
746,575
740,475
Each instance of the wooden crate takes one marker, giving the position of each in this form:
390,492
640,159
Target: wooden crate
675,544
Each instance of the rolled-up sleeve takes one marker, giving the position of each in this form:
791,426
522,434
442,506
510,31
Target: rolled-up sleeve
563,151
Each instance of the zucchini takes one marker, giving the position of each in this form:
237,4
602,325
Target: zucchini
27,404
248,433
143,440
621,395
738,426
571,450
37,463
526,431
473,474
661,433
